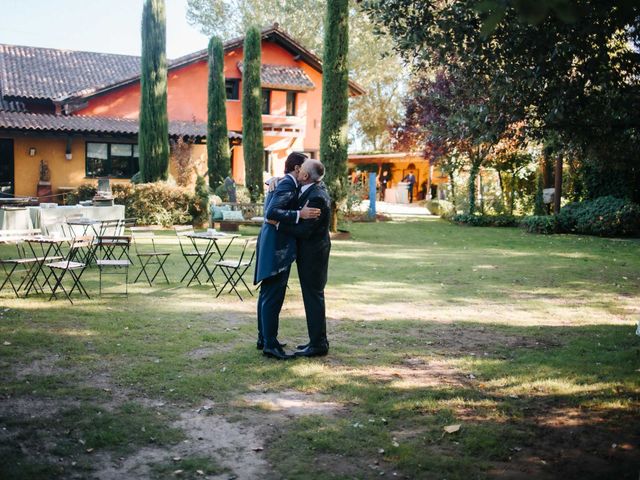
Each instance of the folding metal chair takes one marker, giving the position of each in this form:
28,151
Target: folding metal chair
120,266
193,257
234,270
10,265
148,259
81,247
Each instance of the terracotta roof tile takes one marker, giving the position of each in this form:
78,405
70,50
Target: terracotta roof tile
285,77
97,125
47,73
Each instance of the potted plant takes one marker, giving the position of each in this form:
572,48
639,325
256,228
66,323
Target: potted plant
44,184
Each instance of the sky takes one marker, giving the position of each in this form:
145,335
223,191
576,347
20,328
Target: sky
108,26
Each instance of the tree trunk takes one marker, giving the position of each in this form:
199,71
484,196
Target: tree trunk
333,225
558,186
473,174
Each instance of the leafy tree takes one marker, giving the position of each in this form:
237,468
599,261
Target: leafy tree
578,80
446,114
335,103
372,62
252,140
153,139
218,155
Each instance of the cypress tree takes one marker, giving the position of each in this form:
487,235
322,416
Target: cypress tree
252,140
335,103
219,159
153,139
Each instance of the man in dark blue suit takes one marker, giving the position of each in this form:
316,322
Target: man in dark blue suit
275,253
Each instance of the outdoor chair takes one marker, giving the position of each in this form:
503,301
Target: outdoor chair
111,228
193,257
235,269
127,223
110,243
81,248
149,256
22,262
109,262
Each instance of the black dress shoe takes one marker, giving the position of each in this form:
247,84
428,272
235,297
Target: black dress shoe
303,347
260,345
277,353
312,351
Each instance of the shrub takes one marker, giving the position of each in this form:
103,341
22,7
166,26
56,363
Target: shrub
485,220
546,224
441,208
199,208
605,216
160,204
86,191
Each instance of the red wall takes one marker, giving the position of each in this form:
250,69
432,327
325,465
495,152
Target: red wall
187,96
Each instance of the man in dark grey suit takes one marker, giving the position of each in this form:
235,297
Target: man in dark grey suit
312,258
275,254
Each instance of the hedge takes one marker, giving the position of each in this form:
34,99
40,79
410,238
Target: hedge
151,203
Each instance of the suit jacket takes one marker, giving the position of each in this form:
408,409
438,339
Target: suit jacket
275,250
313,234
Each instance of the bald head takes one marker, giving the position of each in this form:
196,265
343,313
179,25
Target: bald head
313,170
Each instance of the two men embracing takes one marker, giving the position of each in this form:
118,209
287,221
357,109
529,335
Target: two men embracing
297,215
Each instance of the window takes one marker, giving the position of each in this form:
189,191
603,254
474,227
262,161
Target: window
232,86
119,160
266,101
291,104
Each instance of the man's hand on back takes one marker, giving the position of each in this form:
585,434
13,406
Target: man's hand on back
307,212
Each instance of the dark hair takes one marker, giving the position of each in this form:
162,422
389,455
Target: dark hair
295,159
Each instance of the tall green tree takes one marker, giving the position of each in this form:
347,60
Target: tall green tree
573,69
372,61
219,159
153,139
335,103
252,136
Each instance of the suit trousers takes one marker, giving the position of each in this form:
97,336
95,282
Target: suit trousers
270,300
312,272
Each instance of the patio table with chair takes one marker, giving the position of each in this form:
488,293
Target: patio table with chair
209,250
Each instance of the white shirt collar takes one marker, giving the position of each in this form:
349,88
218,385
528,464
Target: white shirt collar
294,179
304,188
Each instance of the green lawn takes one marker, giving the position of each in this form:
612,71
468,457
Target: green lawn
527,342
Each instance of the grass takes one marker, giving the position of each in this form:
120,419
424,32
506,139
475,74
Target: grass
526,341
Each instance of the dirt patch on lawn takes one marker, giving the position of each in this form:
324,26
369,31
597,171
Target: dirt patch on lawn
236,447
292,403
415,373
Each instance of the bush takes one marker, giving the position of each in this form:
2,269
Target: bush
86,191
441,208
485,220
160,204
546,224
200,206
605,216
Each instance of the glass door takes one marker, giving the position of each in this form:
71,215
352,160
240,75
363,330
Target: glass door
6,167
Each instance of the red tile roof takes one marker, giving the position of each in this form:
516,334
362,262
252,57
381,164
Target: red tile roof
98,125
282,76
47,73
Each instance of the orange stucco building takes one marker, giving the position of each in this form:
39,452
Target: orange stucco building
78,111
